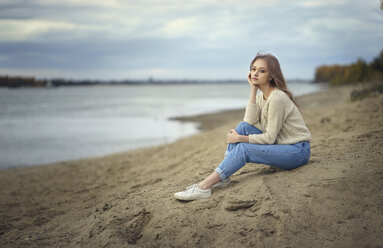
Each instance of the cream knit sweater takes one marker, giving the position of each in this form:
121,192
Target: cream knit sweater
278,118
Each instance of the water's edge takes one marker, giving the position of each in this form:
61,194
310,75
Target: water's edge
202,122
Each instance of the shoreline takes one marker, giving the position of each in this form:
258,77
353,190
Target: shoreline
126,199
203,121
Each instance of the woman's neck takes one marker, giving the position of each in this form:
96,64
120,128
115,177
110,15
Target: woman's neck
266,90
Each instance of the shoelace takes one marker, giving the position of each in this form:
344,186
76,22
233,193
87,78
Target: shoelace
188,188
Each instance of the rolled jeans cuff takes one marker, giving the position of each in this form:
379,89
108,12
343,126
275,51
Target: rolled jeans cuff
220,173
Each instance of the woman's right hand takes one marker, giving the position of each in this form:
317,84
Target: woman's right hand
252,85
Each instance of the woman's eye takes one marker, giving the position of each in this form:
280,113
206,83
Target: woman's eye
263,71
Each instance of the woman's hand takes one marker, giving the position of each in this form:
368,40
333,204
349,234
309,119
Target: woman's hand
232,137
252,85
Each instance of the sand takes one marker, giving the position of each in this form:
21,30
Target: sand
126,199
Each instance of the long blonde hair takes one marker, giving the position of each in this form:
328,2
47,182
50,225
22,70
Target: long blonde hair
277,79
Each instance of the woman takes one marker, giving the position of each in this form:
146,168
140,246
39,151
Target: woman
273,131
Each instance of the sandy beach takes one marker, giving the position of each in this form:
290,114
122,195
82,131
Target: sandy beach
126,199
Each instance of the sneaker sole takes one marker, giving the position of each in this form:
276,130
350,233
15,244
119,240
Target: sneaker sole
183,198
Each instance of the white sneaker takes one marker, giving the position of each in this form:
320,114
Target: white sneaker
193,192
222,184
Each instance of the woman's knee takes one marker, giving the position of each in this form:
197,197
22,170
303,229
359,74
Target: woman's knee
242,124
241,127
244,128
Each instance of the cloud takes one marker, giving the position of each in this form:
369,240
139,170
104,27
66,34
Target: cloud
20,30
316,3
205,39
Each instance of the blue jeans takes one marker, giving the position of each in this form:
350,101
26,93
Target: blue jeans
282,156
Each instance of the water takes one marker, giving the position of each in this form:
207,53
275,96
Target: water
39,126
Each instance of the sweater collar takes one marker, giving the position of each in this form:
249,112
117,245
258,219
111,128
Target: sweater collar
271,93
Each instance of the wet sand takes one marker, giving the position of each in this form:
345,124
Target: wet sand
126,199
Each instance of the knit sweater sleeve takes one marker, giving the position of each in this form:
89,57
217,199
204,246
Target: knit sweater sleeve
275,119
252,114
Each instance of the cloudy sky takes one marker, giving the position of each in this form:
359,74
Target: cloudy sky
177,39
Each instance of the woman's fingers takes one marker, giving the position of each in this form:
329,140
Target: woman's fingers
231,131
231,136
249,78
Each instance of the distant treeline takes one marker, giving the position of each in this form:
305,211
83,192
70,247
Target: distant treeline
16,82
360,71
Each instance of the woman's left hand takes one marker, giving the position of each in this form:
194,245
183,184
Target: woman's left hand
232,137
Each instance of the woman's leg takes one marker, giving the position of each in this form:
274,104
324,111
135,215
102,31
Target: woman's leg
243,128
209,181
202,190
281,156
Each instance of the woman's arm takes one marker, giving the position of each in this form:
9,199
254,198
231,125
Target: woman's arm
253,90
275,120
253,111
252,115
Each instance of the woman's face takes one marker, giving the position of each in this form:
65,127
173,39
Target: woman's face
259,72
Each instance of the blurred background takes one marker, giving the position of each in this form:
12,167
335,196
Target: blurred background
85,78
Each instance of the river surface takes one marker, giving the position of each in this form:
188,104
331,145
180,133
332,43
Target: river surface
45,125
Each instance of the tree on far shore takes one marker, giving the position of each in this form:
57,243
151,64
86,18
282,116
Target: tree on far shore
360,71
